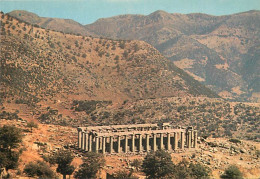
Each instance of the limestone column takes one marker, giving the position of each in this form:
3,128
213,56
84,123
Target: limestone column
111,144
154,142
104,145
118,144
147,142
86,141
90,142
79,139
126,143
161,141
133,143
195,139
83,141
97,142
100,145
169,142
140,143
175,140
189,139
182,140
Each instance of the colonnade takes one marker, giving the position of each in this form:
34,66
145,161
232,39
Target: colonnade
136,141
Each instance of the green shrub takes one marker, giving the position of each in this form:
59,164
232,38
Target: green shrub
158,164
39,169
232,172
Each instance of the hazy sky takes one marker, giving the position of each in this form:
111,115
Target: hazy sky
88,11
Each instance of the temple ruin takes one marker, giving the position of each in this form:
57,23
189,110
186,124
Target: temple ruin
137,138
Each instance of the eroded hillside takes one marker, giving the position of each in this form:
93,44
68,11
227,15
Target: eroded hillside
72,80
221,52
39,66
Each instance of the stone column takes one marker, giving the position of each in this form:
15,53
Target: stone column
100,145
133,143
195,139
126,144
147,142
79,139
83,141
111,144
96,142
182,140
118,144
86,141
104,145
189,139
175,140
169,142
186,140
154,142
140,143
161,141
90,142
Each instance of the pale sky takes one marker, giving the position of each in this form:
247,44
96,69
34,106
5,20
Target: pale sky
88,11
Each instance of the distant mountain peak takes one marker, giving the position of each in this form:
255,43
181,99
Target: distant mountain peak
160,12
160,15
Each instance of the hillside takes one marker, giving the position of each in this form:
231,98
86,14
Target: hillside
62,81
217,154
56,24
73,80
221,52
42,66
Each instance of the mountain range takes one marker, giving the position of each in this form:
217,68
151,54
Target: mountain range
222,52
67,79
43,65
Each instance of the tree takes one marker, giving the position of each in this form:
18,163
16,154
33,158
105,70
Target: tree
91,165
120,174
198,171
232,172
63,158
181,170
32,125
38,168
136,164
187,170
158,164
10,138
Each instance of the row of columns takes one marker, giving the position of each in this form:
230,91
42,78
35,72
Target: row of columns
145,142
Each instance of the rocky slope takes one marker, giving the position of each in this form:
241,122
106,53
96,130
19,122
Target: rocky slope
72,80
215,153
41,65
220,51
56,24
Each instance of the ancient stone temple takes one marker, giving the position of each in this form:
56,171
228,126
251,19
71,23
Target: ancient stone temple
135,138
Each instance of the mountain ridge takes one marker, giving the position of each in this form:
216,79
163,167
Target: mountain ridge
99,69
216,50
205,40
